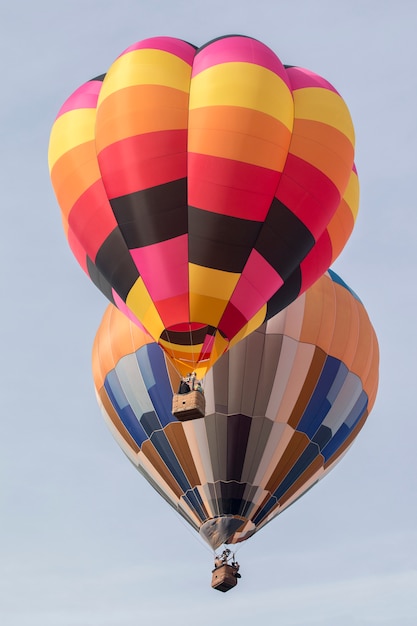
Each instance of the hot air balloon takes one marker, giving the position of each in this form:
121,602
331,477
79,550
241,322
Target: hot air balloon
204,189
283,407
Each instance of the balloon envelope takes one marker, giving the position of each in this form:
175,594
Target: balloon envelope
282,407
204,189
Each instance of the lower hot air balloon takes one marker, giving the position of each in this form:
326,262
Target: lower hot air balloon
282,408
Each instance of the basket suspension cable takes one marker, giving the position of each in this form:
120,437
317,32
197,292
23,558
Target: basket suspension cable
192,532
171,354
192,346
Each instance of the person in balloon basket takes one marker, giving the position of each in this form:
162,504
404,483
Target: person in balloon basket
184,387
190,383
219,561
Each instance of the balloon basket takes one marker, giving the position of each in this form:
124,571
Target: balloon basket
188,406
224,578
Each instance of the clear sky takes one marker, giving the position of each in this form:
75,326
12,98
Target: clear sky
84,540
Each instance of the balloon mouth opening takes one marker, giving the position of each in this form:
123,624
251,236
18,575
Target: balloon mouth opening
220,530
190,333
193,346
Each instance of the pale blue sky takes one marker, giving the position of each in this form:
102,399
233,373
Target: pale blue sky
84,541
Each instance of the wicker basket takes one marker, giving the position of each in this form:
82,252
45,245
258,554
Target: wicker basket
188,406
224,578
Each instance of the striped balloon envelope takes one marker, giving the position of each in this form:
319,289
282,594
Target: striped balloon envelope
203,189
282,408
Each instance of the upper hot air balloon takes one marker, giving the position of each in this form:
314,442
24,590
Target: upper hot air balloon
283,407
204,189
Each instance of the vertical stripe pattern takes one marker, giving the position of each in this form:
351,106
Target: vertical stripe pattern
282,407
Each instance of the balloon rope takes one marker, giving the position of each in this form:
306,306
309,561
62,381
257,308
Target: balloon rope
192,345
171,352
197,536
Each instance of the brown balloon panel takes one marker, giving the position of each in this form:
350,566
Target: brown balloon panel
282,406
